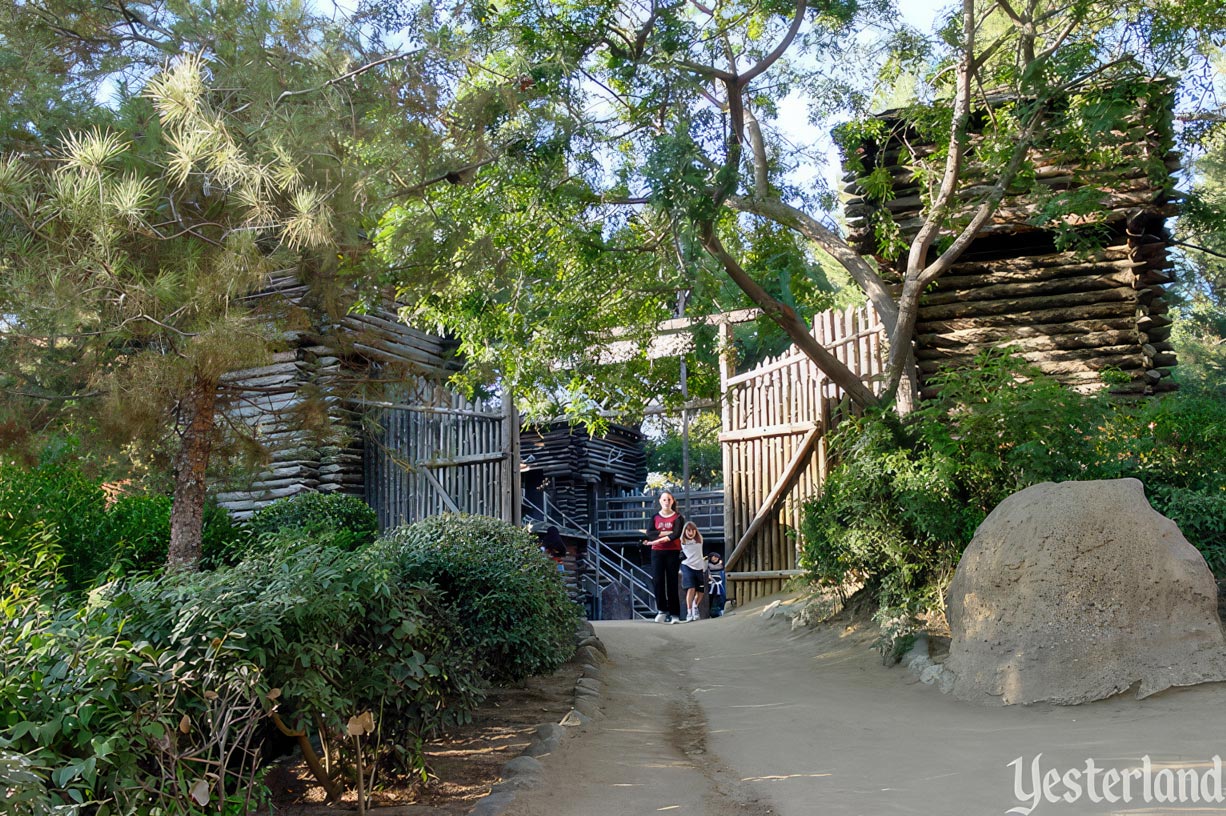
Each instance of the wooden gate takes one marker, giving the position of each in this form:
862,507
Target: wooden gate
431,451
774,422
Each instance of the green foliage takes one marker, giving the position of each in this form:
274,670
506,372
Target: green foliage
665,456
347,522
508,598
338,633
157,693
1199,339
121,724
54,502
56,526
24,788
29,563
905,499
137,531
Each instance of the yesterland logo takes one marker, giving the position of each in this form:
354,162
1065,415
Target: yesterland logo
1176,784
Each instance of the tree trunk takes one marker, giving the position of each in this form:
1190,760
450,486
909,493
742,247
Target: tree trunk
191,462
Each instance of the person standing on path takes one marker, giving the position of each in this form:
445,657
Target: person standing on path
666,559
693,569
716,587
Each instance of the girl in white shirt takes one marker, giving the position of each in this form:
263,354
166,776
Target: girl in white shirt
693,569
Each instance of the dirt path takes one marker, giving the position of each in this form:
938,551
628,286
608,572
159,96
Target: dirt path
650,752
741,716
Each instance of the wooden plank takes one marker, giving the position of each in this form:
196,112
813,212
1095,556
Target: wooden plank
429,409
441,491
763,575
725,407
509,476
778,490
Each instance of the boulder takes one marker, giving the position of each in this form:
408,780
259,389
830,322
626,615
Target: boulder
1076,591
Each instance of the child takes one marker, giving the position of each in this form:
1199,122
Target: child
693,569
719,592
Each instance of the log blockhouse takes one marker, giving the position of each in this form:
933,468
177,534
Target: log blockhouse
566,475
1074,313
565,471
358,404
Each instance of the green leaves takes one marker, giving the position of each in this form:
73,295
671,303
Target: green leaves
905,499
492,577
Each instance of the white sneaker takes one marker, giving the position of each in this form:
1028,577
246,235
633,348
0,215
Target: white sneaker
693,615
671,619
662,617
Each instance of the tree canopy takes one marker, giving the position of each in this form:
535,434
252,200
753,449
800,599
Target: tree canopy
633,150
533,178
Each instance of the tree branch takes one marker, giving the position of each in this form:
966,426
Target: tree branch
1196,247
370,66
861,270
928,232
787,319
461,175
779,50
757,146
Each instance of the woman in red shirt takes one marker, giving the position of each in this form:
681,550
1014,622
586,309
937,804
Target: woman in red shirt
666,558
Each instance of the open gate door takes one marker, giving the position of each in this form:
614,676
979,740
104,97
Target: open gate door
775,418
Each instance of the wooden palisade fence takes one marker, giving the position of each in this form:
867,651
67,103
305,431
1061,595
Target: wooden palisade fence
775,418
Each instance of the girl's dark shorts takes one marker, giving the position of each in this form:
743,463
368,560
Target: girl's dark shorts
693,579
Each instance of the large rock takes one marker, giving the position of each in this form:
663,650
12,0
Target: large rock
1077,591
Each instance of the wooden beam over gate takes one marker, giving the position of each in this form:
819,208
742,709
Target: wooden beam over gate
672,337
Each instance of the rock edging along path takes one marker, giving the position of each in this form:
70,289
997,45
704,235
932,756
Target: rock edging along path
745,716
525,771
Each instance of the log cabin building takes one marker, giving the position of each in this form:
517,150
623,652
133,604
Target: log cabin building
358,404
1073,311
565,471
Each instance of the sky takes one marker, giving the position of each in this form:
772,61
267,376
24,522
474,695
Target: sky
793,112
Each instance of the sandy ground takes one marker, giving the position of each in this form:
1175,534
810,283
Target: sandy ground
742,716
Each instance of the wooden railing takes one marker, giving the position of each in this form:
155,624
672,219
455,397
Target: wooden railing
623,519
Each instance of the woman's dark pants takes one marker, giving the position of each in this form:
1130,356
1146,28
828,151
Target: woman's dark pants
665,565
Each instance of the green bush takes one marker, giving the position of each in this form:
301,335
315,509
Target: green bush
25,789
906,497
137,529
120,725
58,501
336,632
507,596
330,519
162,685
55,504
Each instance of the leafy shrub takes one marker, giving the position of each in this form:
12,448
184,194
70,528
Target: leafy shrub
122,725
154,697
331,519
137,529
336,632
29,562
509,598
906,497
59,501
24,788
1201,516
